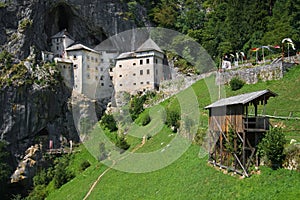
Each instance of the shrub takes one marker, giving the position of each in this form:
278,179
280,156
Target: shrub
145,119
136,106
85,164
122,144
109,122
61,174
172,119
272,146
236,83
103,152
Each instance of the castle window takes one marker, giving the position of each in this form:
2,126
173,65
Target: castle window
92,58
102,60
141,62
88,66
101,78
101,69
142,83
148,82
134,74
75,66
75,57
120,66
134,83
96,77
102,84
141,72
148,71
88,57
57,48
110,85
111,78
120,75
147,61
96,60
88,76
156,61
121,85
134,64
111,69
96,68
64,66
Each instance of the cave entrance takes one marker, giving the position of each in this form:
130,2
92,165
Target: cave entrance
64,17
59,18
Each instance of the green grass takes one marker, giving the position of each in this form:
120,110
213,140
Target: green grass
190,177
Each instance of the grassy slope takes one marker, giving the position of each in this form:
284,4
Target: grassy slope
189,177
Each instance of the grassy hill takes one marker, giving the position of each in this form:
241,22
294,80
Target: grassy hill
190,177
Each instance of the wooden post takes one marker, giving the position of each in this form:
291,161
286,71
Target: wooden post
243,153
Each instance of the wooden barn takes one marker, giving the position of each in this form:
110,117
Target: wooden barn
234,131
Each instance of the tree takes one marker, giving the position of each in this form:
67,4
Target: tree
272,146
5,169
109,122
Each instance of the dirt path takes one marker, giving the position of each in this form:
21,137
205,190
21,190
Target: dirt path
114,162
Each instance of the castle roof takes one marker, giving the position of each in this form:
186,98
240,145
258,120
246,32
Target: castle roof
62,34
77,47
149,45
126,55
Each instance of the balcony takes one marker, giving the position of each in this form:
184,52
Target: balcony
256,124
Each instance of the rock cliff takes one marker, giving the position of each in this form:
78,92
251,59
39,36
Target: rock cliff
34,108
26,23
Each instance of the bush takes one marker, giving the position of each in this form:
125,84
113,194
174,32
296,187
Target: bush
61,174
103,152
109,122
272,146
136,106
145,119
172,119
236,83
84,165
122,144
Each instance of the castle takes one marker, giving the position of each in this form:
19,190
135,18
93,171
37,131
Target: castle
99,72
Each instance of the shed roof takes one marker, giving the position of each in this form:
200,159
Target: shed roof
242,98
76,47
149,45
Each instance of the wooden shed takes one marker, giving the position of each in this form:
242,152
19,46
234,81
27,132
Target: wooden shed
234,132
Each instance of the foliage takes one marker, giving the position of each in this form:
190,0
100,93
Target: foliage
145,119
173,118
43,177
5,169
39,193
108,121
25,23
103,152
121,143
61,174
136,106
236,83
272,146
85,164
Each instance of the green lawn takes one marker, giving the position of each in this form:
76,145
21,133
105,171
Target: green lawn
190,177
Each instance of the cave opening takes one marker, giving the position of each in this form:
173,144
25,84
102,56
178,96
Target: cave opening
63,17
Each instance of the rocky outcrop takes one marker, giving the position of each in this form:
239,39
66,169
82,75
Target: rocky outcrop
35,111
26,23
27,167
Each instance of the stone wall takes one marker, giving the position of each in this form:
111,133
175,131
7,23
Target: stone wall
253,75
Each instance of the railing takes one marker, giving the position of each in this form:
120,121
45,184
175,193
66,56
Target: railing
256,123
